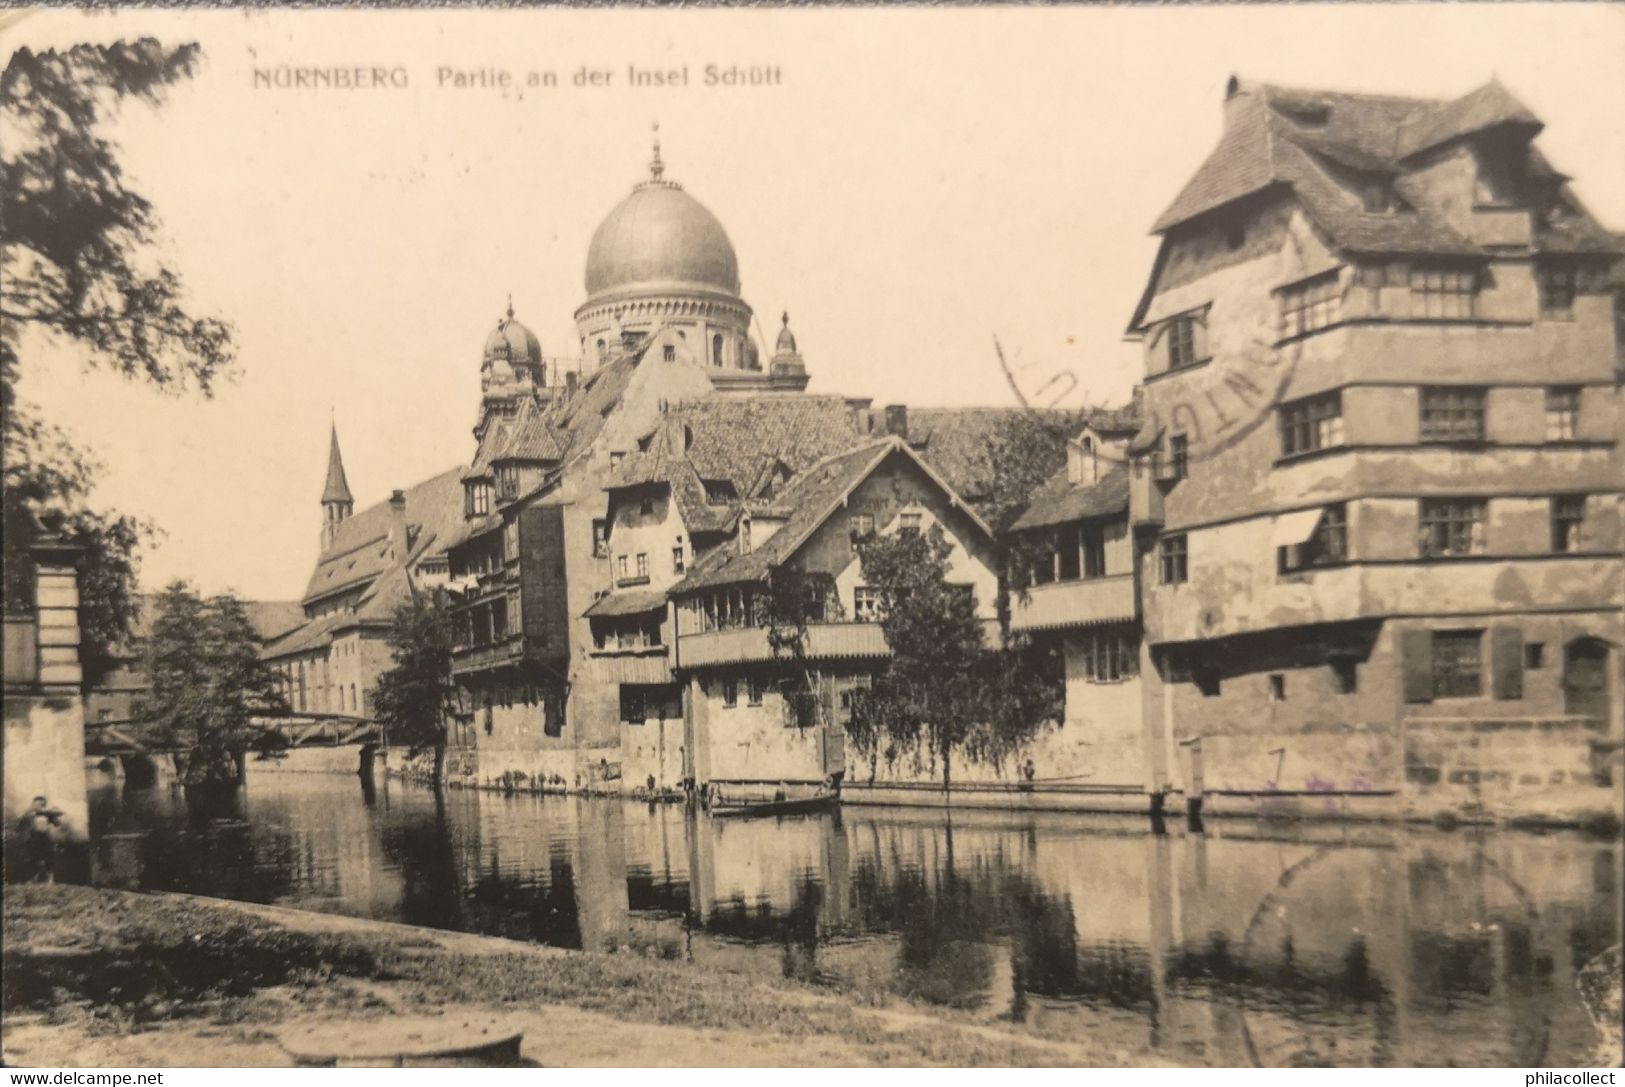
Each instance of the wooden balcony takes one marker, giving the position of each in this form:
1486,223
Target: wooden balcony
479,658
1076,603
825,641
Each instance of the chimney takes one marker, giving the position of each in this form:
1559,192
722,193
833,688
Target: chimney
1237,97
570,379
397,525
897,420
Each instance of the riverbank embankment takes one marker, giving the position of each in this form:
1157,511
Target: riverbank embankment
97,978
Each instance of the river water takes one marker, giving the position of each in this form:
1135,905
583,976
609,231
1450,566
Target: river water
1250,943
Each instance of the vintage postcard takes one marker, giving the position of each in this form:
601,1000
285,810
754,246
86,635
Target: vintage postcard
782,537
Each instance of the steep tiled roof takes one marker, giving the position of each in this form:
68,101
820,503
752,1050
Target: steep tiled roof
958,442
273,618
531,437
1299,139
627,602
809,498
361,551
1487,107
813,495
735,437
1060,501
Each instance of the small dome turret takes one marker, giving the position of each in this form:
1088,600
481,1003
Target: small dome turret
513,343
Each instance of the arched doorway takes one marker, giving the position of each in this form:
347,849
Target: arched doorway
1585,678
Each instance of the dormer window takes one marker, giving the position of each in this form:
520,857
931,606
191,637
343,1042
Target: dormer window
476,499
1377,194
508,481
669,353
718,492
1502,169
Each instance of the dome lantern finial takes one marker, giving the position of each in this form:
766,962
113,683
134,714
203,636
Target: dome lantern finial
656,168
510,305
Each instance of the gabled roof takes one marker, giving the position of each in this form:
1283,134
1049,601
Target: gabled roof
1060,501
530,437
626,602
361,551
812,497
273,618
1290,137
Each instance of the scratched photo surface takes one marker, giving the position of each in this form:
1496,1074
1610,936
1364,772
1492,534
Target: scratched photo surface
769,537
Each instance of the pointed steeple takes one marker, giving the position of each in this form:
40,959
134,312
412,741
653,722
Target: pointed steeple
337,504
338,488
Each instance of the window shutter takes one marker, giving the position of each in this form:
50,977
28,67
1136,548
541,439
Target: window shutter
1199,348
1506,660
1416,659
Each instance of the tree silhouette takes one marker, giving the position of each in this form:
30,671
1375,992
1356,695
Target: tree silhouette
206,683
411,697
79,265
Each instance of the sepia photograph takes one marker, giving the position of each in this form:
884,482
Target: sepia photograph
825,536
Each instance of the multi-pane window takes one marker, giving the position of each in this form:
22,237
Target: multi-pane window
1326,546
1173,559
1452,526
678,558
860,525
600,540
643,564
621,566
1312,423
1458,668
1562,413
1094,551
1568,519
1312,304
1452,414
1179,455
1443,292
908,522
508,481
866,604
730,692
1557,290
477,499
1181,342
753,689
1109,656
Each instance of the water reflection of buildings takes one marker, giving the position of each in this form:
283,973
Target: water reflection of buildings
1319,945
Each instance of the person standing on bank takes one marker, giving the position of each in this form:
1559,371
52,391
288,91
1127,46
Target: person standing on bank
39,827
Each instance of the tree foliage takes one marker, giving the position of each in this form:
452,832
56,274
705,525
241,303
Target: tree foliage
413,696
205,682
79,265
946,690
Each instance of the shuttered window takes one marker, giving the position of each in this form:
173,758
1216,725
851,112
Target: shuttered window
1506,662
1416,661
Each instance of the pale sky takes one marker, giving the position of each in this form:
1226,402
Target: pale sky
920,181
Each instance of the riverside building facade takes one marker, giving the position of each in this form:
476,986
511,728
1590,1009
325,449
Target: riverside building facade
1376,502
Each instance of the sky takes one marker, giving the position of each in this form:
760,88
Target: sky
914,183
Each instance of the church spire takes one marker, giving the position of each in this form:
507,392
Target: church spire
337,502
338,488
